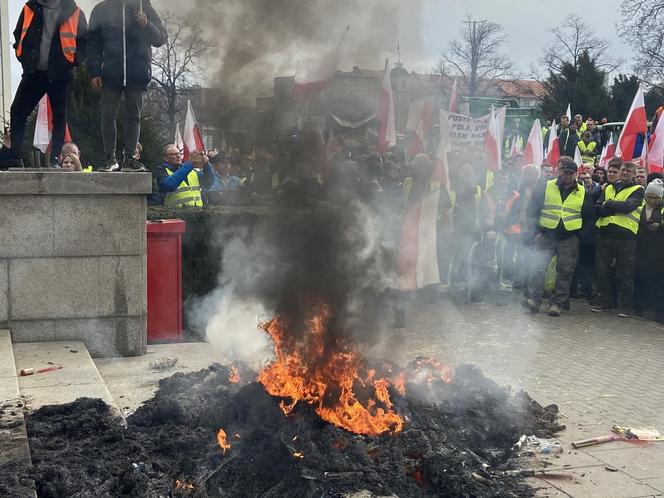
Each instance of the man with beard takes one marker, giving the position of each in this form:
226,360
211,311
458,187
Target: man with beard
50,41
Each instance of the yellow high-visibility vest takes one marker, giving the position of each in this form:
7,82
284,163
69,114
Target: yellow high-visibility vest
555,209
187,194
630,220
587,152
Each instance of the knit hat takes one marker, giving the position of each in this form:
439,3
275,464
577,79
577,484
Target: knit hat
656,187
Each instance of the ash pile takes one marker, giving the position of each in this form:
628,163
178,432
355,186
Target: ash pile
213,433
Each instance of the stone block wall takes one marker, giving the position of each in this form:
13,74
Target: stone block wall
73,259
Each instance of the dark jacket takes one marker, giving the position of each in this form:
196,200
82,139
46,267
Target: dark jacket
537,204
649,243
59,68
567,141
612,207
119,49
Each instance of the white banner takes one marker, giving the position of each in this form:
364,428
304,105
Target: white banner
467,132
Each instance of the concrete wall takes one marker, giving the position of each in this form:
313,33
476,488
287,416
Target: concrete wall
73,259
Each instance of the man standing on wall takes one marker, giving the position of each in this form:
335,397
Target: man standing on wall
122,34
49,42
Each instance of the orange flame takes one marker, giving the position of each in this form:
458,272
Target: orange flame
234,376
298,454
223,441
327,377
184,485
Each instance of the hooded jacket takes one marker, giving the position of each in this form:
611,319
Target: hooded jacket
59,68
119,49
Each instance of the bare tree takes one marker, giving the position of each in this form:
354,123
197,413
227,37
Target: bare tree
643,29
177,65
571,39
476,55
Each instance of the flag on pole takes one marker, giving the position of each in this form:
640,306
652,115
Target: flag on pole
44,127
656,152
193,140
568,112
643,160
454,97
534,151
608,153
179,143
418,250
515,146
423,118
313,75
553,147
492,143
387,134
635,124
577,157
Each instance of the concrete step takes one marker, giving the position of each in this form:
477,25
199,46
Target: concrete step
79,377
14,448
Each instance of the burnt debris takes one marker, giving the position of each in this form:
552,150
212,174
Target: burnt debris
457,441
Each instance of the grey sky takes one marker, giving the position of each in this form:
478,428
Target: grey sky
525,21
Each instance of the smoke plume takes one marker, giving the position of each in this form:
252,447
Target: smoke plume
256,40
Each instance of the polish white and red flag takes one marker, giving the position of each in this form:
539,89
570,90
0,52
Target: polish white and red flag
578,160
492,143
44,127
515,146
387,133
635,124
534,151
454,97
179,143
656,152
421,113
193,140
418,249
568,112
553,147
313,75
608,153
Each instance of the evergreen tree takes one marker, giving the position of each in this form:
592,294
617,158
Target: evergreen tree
582,86
623,90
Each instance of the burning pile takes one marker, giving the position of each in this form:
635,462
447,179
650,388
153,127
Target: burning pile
320,421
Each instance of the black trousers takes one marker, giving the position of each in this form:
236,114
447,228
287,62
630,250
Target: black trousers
110,103
623,252
32,88
649,286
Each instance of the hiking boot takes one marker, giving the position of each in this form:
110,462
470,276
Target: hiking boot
554,310
110,165
531,305
132,165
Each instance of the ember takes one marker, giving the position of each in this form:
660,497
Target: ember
222,440
184,485
234,376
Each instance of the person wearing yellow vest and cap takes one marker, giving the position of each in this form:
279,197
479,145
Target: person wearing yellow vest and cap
619,211
183,185
559,209
50,40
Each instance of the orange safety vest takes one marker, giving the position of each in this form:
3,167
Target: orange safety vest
68,33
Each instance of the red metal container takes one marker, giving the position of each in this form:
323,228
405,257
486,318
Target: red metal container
165,280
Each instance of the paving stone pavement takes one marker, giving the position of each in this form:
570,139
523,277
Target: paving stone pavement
598,368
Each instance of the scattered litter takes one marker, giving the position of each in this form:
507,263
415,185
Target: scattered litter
534,444
611,469
623,434
163,363
26,372
73,350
